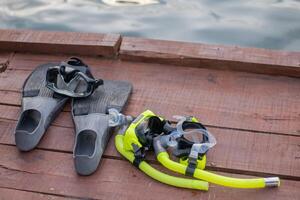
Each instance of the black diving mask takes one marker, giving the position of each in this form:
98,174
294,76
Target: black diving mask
69,81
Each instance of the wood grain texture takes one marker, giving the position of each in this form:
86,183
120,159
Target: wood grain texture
255,118
211,56
219,98
53,173
13,194
59,42
64,119
244,152
156,51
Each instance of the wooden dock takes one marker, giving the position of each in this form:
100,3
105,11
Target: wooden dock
248,98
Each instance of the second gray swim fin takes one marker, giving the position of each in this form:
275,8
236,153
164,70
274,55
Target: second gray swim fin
92,123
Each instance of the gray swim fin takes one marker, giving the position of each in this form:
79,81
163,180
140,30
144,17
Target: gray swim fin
92,123
40,106
42,102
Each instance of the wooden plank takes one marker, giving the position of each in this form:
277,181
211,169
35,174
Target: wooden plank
53,173
211,56
219,98
246,152
10,97
13,194
59,42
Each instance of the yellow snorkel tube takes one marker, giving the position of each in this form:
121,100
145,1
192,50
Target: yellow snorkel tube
157,175
160,145
127,144
163,157
130,143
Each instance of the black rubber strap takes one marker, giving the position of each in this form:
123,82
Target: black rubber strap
31,93
81,110
137,161
190,169
138,155
58,96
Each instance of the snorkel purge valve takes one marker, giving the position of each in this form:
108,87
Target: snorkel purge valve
189,141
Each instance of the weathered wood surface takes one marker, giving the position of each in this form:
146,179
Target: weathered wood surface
60,42
53,173
155,51
243,152
255,118
13,194
211,56
237,100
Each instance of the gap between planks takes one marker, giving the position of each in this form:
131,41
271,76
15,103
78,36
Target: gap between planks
15,194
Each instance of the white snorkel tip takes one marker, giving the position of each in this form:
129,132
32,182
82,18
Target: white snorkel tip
272,182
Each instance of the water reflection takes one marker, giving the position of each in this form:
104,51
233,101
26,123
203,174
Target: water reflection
129,2
268,24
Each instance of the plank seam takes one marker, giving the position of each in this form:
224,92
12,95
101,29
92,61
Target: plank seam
118,47
15,170
46,193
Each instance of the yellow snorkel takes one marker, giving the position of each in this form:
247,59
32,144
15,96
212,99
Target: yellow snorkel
149,132
194,165
128,146
164,159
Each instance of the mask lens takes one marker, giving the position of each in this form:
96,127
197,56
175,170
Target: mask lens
193,135
81,85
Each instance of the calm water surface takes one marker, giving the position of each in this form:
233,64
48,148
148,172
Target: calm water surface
271,24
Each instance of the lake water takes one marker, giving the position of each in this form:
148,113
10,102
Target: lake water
271,24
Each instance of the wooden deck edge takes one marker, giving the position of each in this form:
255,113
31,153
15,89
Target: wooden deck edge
211,56
71,43
253,60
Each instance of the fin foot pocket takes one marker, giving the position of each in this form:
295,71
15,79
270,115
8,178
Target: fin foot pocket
92,123
26,134
29,120
85,145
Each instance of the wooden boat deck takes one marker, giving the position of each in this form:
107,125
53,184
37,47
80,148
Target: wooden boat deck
249,98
